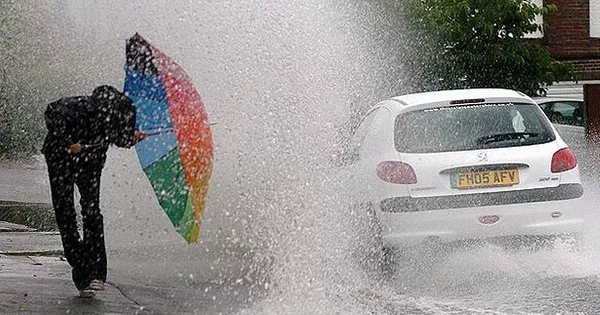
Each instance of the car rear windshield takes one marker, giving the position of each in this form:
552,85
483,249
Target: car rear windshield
471,127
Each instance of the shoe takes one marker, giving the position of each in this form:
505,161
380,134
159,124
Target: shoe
87,293
96,285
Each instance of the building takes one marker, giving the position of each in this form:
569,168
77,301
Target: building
574,36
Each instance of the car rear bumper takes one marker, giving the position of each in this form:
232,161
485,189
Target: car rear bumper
409,204
456,224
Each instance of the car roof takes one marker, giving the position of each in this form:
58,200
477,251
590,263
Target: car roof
443,98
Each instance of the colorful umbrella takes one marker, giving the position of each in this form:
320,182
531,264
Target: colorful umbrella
177,158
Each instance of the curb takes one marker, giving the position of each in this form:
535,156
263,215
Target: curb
30,232
50,252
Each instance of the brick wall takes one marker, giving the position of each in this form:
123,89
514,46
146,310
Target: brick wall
588,69
568,38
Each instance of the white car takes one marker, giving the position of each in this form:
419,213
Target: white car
463,164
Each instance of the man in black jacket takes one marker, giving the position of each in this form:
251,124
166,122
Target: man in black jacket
80,130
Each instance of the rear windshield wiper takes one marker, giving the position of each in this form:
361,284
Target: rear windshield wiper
506,137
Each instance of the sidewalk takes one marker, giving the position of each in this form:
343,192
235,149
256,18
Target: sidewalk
34,284
42,285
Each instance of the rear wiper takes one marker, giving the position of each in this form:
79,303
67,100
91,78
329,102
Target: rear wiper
506,137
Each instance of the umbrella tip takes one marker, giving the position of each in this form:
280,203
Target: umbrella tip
137,38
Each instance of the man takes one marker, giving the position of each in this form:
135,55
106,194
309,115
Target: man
80,130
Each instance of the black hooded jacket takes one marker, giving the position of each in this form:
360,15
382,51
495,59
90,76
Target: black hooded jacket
83,120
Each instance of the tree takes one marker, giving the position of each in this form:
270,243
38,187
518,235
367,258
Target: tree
482,43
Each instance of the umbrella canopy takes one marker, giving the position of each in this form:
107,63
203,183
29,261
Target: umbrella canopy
178,157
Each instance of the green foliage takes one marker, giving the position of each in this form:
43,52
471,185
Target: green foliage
481,43
35,215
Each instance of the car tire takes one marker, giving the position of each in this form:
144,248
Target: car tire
387,262
369,249
382,256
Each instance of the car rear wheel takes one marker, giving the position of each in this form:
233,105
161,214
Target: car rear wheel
369,249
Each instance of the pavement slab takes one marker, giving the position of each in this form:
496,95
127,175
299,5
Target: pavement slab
30,243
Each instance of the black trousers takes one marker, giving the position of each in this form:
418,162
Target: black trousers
87,255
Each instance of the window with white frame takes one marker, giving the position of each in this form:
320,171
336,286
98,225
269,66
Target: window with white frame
539,20
595,18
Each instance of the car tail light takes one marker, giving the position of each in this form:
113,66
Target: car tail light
396,172
563,160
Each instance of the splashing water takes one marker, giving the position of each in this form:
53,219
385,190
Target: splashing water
279,78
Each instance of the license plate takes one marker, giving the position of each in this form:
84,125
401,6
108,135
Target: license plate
481,179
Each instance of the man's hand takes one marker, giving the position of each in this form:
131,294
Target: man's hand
76,148
139,136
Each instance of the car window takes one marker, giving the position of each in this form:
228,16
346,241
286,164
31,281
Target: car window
546,106
471,127
361,132
566,109
566,112
353,150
